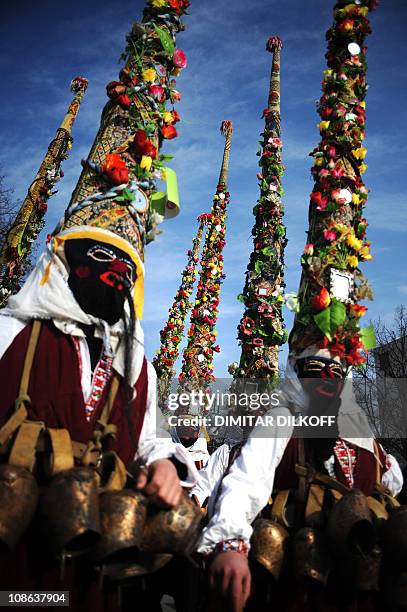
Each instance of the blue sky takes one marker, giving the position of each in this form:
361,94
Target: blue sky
44,44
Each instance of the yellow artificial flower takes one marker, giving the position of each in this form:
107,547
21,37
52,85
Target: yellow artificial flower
356,198
328,73
354,242
360,153
323,125
363,168
146,162
365,254
363,104
149,75
319,161
341,228
352,260
168,118
158,3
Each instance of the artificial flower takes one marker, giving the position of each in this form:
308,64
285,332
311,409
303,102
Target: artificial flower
169,132
358,310
167,117
179,58
309,249
149,75
356,199
158,3
157,92
360,153
175,116
352,261
365,254
321,300
115,169
363,168
146,162
330,235
323,125
319,200
346,25
123,101
354,242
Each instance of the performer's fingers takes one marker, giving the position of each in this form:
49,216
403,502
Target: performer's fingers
247,583
236,593
141,480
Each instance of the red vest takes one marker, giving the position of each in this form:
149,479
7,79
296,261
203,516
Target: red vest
56,393
364,474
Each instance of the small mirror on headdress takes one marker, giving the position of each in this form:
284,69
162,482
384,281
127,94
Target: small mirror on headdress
341,285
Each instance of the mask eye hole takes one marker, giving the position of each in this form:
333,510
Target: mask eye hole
101,253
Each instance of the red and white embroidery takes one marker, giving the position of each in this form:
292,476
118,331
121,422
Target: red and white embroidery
346,457
101,376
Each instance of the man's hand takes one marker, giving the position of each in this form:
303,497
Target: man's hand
160,483
229,576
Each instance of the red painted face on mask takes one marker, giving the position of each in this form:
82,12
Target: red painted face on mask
321,377
99,276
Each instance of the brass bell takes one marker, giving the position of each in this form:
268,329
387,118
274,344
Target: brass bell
350,527
172,531
395,538
18,502
268,545
69,511
311,556
126,573
122,517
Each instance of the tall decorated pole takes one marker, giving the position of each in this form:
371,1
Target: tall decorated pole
139,116
197,366
332,284
261,330
172,333
30,218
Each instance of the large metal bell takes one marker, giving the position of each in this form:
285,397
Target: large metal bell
69,511
350,526
395,538
18,502
269,545
311,556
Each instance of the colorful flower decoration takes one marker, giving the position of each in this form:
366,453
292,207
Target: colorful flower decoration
198,355
30,219
171,335
337,235
261,330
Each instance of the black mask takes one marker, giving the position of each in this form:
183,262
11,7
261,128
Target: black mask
99,276
322,378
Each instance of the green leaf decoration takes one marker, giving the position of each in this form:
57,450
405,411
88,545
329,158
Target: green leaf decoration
262,333
267,251
258,266
126,196
241,298
331,318
165,157
166,40
368,337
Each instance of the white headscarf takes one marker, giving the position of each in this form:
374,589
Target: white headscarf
46,295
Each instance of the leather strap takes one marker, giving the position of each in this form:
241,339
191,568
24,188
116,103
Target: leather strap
313,508
20,410
61,456
278,509
23,451
302,476
112,474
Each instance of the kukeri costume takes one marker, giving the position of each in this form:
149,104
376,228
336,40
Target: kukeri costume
315,495
78,407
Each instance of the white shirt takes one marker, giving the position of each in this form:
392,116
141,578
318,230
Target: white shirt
247,487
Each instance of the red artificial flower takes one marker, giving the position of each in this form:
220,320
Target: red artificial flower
319,200
175,116
179,58
143,145
326,112
346,25
157,92
115,169
247,326
321,300
176,5
169,132
358,310
330,235
123,101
